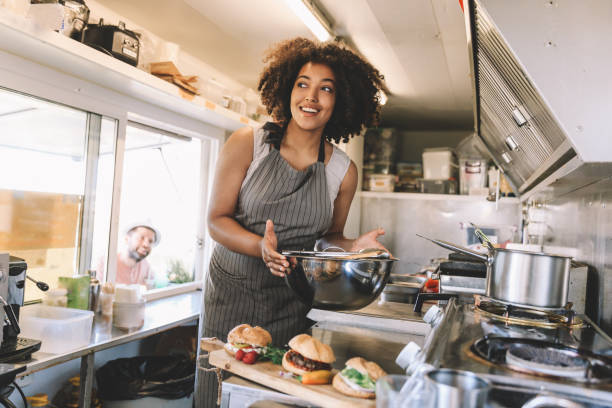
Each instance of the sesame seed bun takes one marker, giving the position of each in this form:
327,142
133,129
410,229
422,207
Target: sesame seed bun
312,348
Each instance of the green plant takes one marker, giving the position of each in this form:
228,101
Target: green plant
177,273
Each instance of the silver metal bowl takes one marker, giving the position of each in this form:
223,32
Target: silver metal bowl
329,281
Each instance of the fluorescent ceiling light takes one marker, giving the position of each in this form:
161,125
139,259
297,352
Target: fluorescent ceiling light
312,18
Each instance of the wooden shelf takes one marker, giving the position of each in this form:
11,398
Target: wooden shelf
438,197
23,38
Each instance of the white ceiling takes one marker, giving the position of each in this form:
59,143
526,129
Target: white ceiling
419,46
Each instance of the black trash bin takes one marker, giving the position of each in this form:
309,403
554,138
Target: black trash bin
165,377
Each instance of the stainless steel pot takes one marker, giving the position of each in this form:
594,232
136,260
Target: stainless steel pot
337,280
457,389
522,278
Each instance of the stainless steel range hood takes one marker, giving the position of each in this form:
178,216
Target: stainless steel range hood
543,85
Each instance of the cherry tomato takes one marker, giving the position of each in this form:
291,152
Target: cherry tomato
239,355
250,357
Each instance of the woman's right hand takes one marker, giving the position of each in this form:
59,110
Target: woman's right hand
276,262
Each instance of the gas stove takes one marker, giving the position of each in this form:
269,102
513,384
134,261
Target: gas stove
523,352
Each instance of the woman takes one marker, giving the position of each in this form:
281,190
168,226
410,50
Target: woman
283,186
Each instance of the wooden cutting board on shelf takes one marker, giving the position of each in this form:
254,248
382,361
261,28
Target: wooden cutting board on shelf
267,374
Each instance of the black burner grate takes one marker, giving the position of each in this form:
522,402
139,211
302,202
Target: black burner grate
544,358
529,316
546,361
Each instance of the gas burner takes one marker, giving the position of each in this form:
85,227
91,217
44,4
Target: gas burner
528,316
545,359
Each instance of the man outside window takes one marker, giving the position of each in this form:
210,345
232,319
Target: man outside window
132,267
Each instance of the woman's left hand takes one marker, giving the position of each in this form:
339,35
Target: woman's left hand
369,240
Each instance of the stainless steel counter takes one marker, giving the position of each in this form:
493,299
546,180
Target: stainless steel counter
160,315
387,316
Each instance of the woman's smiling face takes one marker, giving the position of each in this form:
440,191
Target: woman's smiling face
313,96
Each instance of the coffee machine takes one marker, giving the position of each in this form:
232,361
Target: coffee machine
12,286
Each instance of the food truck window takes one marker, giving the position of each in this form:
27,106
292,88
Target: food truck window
44,161
160,191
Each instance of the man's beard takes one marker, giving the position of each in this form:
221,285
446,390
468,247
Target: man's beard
136,256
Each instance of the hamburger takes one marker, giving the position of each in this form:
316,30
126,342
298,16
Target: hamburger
307,354
358,378
246,338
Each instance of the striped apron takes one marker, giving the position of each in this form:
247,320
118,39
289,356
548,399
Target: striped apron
240,288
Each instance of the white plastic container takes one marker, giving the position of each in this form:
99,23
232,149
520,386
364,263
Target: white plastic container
60,329
128,293
439,164
56,297
382,182
128,316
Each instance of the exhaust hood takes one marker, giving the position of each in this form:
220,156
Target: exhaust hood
543,88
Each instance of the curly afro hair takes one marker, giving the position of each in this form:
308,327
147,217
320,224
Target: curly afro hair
357,84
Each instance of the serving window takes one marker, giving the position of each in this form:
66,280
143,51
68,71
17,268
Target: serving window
45,149
72,181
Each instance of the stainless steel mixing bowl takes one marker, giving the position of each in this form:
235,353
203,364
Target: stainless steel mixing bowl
330,281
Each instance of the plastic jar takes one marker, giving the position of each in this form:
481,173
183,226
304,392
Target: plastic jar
56,297
106,303
128,316
382,182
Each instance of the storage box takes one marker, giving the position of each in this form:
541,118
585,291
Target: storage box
437,186
382,182
439,164
60,329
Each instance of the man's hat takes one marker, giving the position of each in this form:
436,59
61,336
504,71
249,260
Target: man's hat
147,224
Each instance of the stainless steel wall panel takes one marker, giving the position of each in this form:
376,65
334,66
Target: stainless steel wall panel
435,216
582,219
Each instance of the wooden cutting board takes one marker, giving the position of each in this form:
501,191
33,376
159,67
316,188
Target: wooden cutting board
266,373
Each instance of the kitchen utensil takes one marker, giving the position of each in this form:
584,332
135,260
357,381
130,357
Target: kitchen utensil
482,237
402,288
338,280
456,389
41,285
522,278
115,41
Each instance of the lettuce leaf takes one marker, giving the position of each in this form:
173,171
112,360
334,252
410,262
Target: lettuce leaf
362,380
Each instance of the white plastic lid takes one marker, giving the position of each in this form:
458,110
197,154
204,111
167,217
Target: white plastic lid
407,355
432,314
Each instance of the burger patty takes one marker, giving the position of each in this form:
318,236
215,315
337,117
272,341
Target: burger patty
306,363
